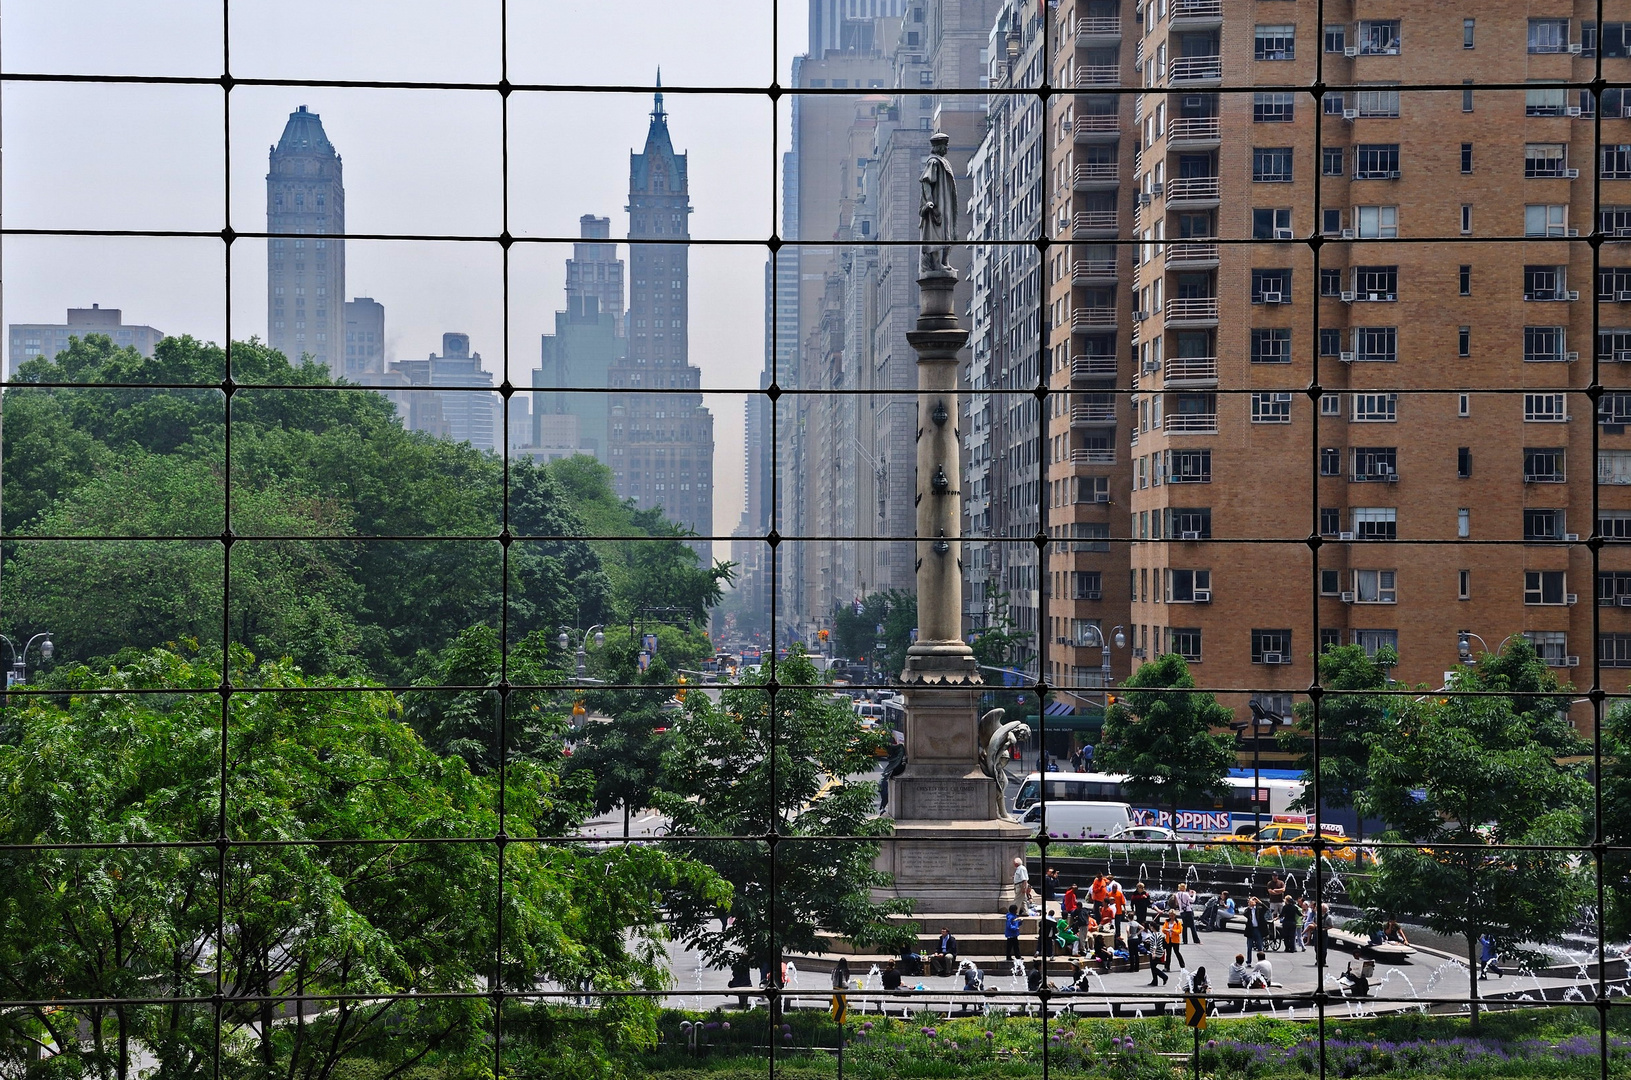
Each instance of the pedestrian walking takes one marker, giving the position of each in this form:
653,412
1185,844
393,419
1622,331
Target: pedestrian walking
1173,931
1186,912
1159,957
1288,924
1322,934
1488,959
1141,904
1022,884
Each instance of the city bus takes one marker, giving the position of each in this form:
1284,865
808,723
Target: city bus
1232,808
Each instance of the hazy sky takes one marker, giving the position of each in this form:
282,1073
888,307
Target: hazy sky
154,157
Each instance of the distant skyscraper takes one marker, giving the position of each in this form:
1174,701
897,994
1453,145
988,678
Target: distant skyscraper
364,337
472,415
29,340
661,444
587,343
305,272
849,25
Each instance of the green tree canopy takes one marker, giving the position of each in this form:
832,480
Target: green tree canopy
1160,734
1350,719
1458,777
753,764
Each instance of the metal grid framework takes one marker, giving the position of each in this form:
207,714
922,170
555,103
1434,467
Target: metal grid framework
231,236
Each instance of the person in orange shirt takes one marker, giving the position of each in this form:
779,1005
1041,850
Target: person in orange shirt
1098,892
1173,931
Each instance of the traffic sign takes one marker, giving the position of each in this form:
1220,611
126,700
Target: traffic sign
840,1008
1195,1013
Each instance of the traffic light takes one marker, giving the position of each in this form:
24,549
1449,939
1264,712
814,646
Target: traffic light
680,693
823,634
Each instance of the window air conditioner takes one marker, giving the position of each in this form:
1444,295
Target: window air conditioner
1621,230
1143,198
1282,234
1347,597
1571,599
1346,358
1571,661
1345,536
1623,295
1392,174
1151,366
1390,476
1348,297
1100,497
1157,188
1571,357
1624,601
1571,174
1570,538
1138,654
1271,298
1194,534
1272,658
1572,295
1350,50
1576,48
1347,234
1572,110
1623,356
1140,316
1350,114
1203,596
1572,232
1090,596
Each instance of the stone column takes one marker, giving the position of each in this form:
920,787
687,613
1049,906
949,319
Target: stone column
952,850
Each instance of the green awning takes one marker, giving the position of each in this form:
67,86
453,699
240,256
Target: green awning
1089,720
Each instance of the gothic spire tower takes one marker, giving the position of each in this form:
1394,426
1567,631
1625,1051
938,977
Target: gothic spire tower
305,257
662,444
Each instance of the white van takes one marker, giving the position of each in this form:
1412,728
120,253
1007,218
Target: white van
1081,820
870,713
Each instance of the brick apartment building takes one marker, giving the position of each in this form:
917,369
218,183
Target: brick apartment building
1445,462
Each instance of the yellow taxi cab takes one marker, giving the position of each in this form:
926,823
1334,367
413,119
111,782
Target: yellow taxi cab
1337,848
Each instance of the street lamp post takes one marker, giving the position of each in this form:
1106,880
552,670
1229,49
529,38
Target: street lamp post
1463,646
17,671
567,636
1099,642
1261,717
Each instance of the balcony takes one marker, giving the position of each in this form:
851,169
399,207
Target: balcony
1092,271
1192,254
1192,191
1092,415
1192,423
1096,127
1082,456
1096,174
1102,31
1092,223
1196,14
1093,367
1195,71
1097,76
1198,371
1192,311
1193,132
1087,320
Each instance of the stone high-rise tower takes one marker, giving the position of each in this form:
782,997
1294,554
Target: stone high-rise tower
305,258
661,445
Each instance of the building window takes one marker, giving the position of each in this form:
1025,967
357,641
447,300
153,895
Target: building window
1330,404
1544,160
1548,35
1376,222
1330,282
1614,345
1614,409
1466,157
1614,524
1463,462
1186,642
1467,27
1378,37
1189,586
1271,165
1331,162
1551,646
1271,345
1614,650
1330,638
1271,286
1466,219
1330,341
1330,461
1542,524
1465,279
1543,465
1271,646
1273,108
1374,463
1376,344
1374,587
1190,467
1375,523
1543,283
1463,585
1544,344
1615,220
1543,587
1378,103
1545,408
1617,162
1190,524
1336,37
1330,582
1087,584
1271,408
1614,467
1466,95
1376,283
1545,101
1463,523
1278,42
1374,641
1271,224
1376,161
1330,522
1545,221
1614,283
